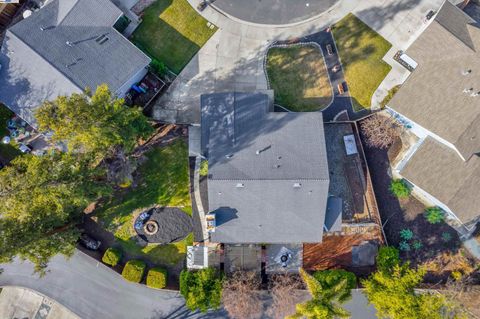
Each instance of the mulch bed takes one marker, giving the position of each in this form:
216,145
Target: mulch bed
173,225
408,214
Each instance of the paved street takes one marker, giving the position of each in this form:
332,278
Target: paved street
91,291
275,12
232,60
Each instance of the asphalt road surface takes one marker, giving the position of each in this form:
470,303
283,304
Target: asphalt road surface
275,12
91,290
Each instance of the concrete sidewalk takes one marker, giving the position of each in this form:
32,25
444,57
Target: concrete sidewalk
16,302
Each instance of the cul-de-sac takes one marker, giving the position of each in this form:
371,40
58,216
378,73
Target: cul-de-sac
243,159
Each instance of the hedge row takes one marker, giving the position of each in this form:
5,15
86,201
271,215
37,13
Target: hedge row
134,269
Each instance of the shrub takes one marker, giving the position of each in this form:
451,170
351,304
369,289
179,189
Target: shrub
201,289
417,245
404,246
406,234
380,131
157,278
399,188
457,275
204,168
112,256
133,270
446,237
387,258
434,215
389,96
158,67
331,278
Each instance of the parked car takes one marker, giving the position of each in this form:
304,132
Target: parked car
430,14
89,242
329,49
340,88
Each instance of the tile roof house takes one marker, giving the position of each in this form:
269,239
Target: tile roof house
440,103
63,48
268,174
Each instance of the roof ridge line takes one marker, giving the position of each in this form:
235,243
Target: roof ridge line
47,61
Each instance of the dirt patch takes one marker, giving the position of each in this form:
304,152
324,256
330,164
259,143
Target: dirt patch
434,247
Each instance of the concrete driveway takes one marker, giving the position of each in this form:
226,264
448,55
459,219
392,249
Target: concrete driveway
232,60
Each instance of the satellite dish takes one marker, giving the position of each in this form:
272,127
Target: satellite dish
27,13
6,140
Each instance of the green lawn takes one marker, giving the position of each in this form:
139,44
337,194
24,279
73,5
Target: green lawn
361,51
299,78
165,181
172,32
7,151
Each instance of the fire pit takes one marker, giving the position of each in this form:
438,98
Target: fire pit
150,227
163,225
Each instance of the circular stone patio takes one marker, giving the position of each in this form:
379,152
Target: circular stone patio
273,12
163,225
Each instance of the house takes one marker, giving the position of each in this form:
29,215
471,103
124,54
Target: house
440,104
64,48
268,176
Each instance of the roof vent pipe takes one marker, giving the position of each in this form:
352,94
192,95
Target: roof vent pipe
467,72
467,90
474,94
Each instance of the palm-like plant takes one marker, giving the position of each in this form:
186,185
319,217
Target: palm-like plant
324,304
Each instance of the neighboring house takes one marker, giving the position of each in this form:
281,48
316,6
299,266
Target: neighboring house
63,48
440,103
268,175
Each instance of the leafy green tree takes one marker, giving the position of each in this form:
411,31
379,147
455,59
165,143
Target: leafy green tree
201,289
399,188
393,295
434,215
325,302
97,124
41,200
329,279
387,258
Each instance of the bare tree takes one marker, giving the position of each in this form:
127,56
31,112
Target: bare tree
380,130
285,296
241,295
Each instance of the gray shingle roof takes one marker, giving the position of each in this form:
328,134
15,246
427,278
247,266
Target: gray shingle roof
433,95
255,160
438,170
82,62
